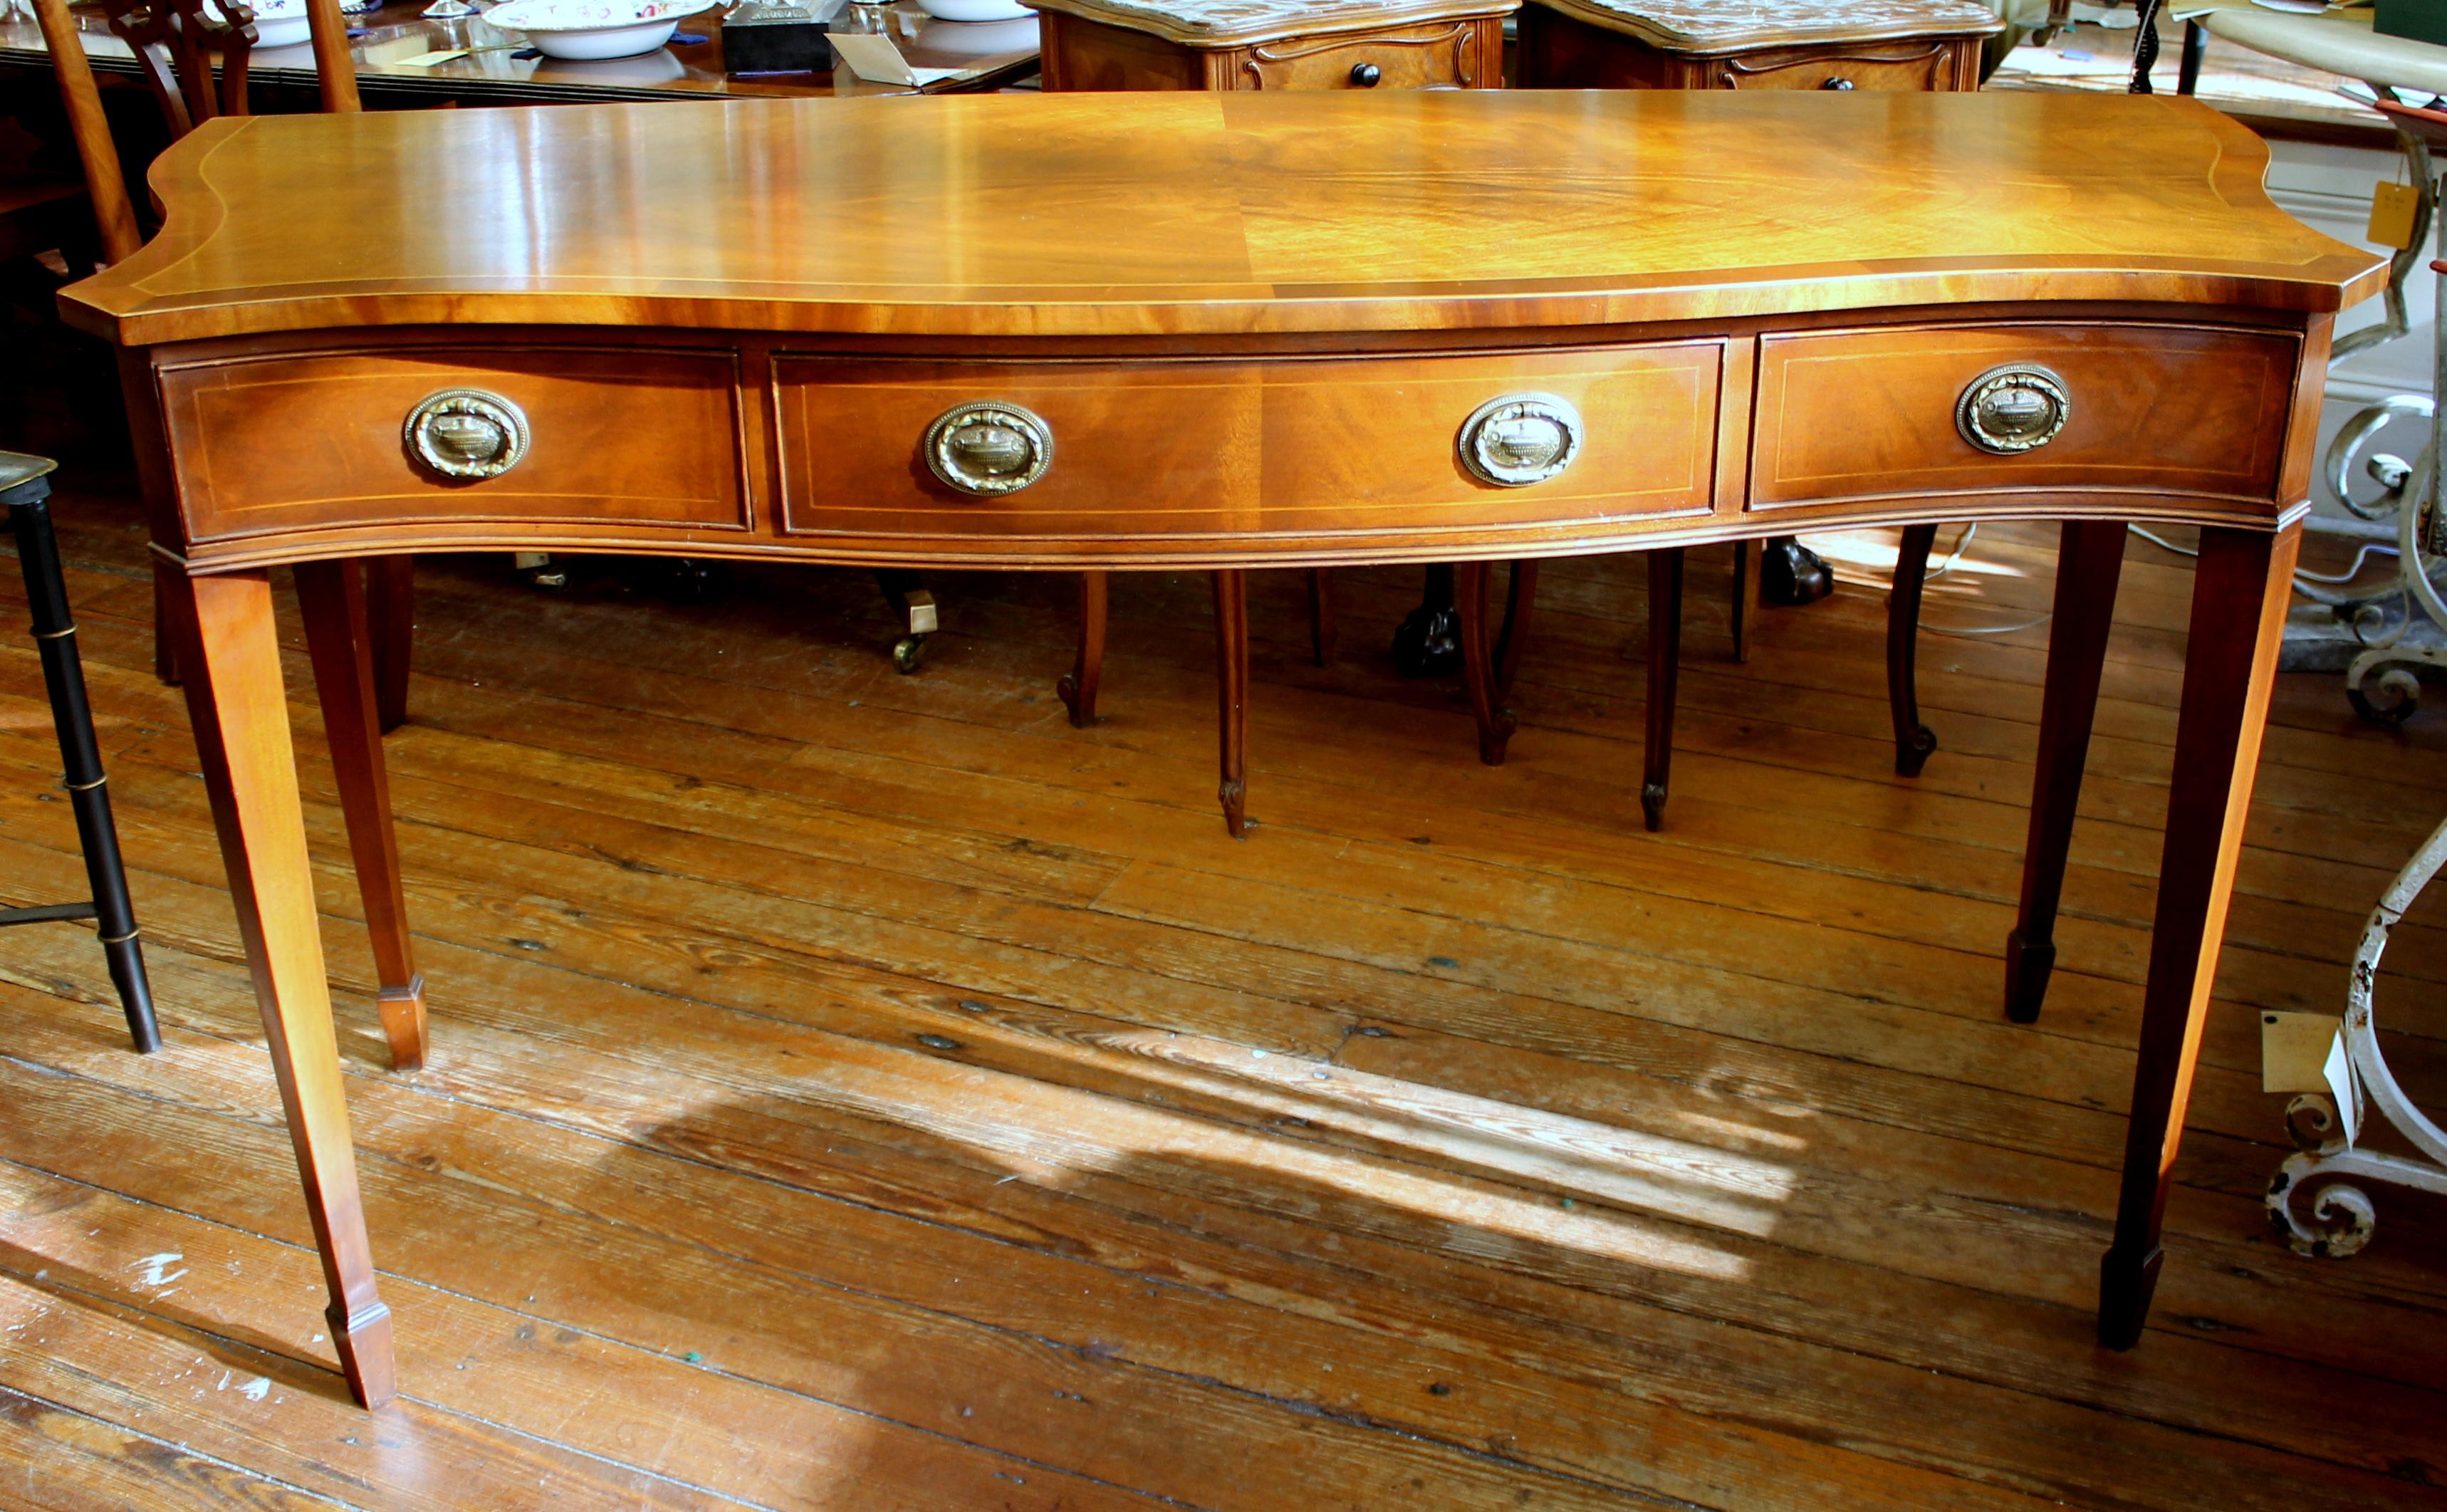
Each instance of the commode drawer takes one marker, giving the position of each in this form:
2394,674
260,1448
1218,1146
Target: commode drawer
1441,56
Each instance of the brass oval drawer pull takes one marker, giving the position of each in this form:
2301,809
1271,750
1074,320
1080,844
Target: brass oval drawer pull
2013,408
466,433
1520,439
989,448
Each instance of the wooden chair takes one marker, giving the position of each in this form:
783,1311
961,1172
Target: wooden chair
357,625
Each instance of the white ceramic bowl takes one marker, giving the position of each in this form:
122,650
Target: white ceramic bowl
586,29
976,39
975,9
277,23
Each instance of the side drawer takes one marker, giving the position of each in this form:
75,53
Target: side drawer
1354,449
1873,414
1905,65
1445,55
316,440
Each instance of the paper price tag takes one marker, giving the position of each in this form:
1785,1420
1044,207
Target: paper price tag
873,57
2393,206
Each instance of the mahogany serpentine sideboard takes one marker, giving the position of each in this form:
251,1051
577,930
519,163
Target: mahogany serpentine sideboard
1218,330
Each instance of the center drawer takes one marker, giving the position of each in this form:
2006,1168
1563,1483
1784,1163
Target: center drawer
1353,448
1441,56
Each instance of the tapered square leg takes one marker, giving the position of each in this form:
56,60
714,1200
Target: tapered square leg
2240,592
390,614
230,659
1664,672
1913,739
1077,688
340,642
1232,696
2090,559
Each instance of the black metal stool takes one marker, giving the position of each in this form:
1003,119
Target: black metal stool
24,488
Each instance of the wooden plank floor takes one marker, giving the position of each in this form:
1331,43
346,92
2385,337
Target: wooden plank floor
859,1091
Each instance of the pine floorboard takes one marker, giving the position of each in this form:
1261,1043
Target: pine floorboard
861,1091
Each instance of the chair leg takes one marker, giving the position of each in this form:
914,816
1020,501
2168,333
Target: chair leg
1077,688
390,613
1913,739
1232,694
2089,561
1324,620
1495,722
340,644
1665,665
38,559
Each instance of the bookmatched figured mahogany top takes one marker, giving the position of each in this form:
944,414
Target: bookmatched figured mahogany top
1209,214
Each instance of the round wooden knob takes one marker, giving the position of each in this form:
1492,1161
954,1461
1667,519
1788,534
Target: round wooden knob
1838,84
1366,74
1520,439
989,448
2013,408
466,433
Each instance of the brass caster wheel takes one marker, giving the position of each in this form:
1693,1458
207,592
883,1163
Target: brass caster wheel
907,653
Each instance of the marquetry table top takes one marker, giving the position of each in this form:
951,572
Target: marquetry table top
1239,22
1152,213
1739,26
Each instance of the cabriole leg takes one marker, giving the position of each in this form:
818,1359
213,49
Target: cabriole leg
1323,626
340,642
1913,739
1746,595
2089,561
1077,688
2239,599
230,657
1495,723
1232,694
1520,602
1664,667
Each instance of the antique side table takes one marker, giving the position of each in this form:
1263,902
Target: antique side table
1272,43
1749,44
1222,330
